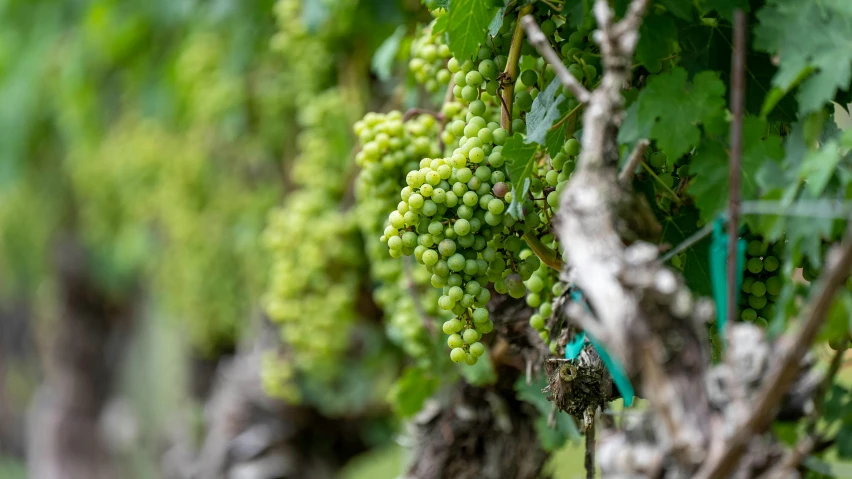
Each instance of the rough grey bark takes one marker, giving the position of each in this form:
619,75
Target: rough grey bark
486,433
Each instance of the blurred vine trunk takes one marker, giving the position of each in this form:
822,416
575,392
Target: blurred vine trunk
486,432
66,437
250,435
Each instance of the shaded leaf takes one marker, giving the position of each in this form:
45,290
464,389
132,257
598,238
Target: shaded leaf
826,46
655,34
547,108
696,269
724,8
468,23
385,55
555,139
710,165
679,8
674,109
414,386
520,162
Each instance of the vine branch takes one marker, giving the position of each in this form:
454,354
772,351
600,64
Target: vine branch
626,175
510,74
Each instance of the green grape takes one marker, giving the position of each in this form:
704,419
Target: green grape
477,349
529,77
770,263
757,302
658,159
748,315
773,285
755,265
758,288
457,355
756,248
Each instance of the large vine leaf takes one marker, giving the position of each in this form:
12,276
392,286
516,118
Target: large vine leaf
409,392
675,108
520,162
710,165
547,108
655,34
468,23
809,35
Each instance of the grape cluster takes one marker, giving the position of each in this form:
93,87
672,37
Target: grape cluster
762,283
429,59
453,215
317,263
390,148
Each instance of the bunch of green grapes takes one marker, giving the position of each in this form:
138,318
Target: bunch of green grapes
453,216
579,52
762,282
429,59
317,261
390,148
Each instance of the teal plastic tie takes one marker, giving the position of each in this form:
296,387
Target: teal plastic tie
619,376
718,273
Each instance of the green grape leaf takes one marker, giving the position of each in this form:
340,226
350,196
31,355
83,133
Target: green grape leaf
480,374
496,22
679,8
838,319
440,25
819,166
711,170
655,34
827,46
385,55
676,229
725,8
837,403
552,438
631,129
547,108
555,139
408,393
829,469
468,23
520,162
844,441
675,108
442,3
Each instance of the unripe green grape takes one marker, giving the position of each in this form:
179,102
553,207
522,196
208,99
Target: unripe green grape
746,285
455,341
533,300
523,100
529,77
591,72
474,79
571,147
518,125
548,27
654,66
758,288
757,302
535,284
755,265
515,286
457,355
770,263
537,321
456,262
471,336
658,159
576,71
477,349
455,293
452,326
488,69
455,279
748,315
485,327
546,309
838,343
457,127
461,227
445,303
756,248
773,285
469,93
500,286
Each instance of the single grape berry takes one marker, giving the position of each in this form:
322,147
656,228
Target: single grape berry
755,265
529,77
748,315
477,349
457,355
770,263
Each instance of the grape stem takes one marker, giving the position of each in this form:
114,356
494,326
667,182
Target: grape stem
539,41
626,175
510,74
545,254
660,181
